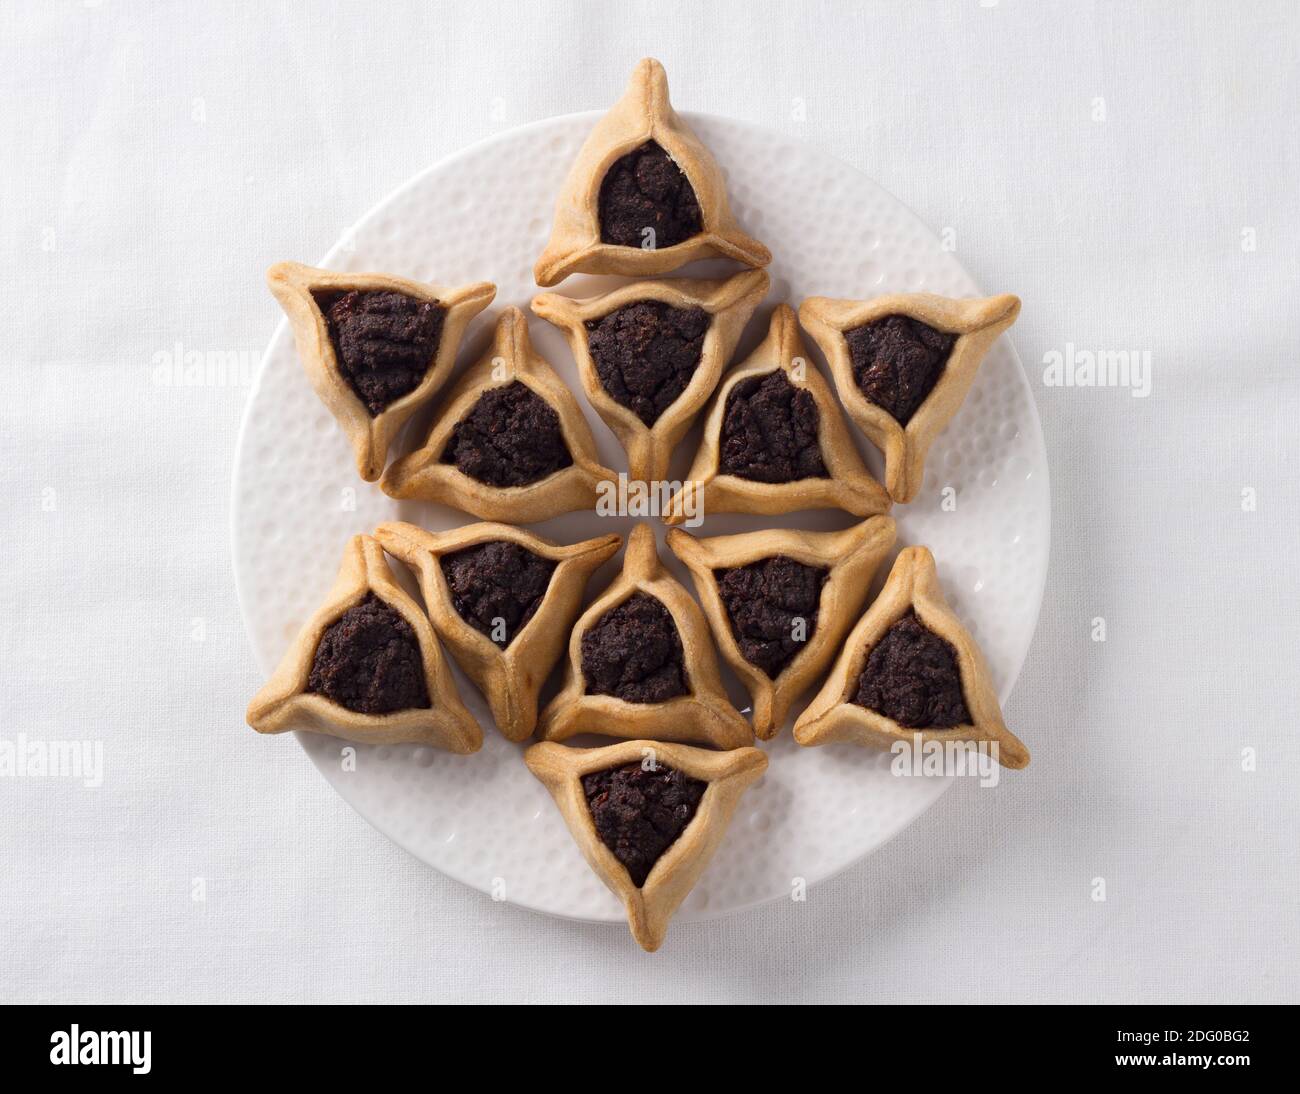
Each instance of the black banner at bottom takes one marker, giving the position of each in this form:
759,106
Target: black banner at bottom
149,1042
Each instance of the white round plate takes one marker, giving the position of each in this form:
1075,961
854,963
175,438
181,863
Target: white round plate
484,214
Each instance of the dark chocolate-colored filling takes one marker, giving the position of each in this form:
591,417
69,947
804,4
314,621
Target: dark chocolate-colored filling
769,432
510,438
646,353
768,602
369,661
497,586
384,342
646,189
639,814
634,653
912,677
897,361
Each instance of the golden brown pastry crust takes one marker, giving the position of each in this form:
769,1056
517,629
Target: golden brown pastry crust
293,285
978,324
832,716
730,303
422,474
851,556
705,716
644,113
651,907
284,703
849,485
509,678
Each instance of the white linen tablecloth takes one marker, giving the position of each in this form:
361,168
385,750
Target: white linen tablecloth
1131,170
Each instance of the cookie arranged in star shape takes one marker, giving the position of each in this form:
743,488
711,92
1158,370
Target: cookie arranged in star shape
774,440
650,354
644,195
647,816
910,670
367,667
641,664
903,364
780,601
376,348
509,442
503,599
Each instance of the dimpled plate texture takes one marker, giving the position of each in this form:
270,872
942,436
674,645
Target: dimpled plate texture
485,214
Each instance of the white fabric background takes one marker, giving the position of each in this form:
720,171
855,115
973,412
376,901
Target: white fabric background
155,158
